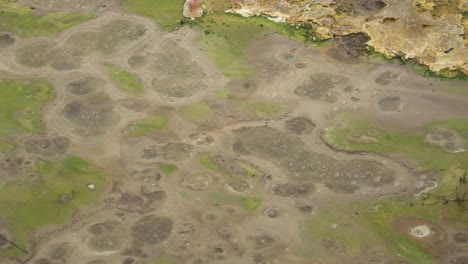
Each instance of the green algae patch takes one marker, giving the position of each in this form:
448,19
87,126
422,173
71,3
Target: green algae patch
250,203
249,170
225,37
126,81
353,133
49,199
167,13
263,108
343,231
207,162
20,107
168,169
149,125
21,21
196,112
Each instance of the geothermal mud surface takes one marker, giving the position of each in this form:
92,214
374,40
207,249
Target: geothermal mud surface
201,168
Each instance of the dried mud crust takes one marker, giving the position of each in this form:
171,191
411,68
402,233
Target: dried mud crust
176,72
322,86
105,40
47,146
152,229
90,116
300,163
300,125
107,236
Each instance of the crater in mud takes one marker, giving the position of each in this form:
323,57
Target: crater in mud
300,125
448,140
176,151
47,146
152,229
458,259
59,252
390,104
116,34
197,180
293,189
37,54
85,85
241,89
91,115
176,74
65,61
300,163
321,86
386,78
6,40
107,236
460,237
349,48
365,7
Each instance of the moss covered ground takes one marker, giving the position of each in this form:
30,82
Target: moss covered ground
149,125
126,81
20,107
21,21
51,198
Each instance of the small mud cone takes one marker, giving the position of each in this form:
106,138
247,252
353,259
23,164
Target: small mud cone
193,9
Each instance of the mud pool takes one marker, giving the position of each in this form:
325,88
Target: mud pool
225,140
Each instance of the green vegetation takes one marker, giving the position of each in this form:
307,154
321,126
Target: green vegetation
353,133
444,74
149,125
206,161
196,112
247,202
250,171
126,81
166,259
263,108
20,20
359,225
168,168
20,107
167,13
53,198
226,36
418,67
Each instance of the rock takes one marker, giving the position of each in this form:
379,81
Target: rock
432,32
193,9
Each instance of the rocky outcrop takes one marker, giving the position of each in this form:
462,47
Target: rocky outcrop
432,32
193,9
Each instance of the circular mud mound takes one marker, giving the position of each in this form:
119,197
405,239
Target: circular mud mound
300,125
448,140
35,55
390,104
386,78
91,116
6,40
197,180
322,87
152,229
85,86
